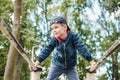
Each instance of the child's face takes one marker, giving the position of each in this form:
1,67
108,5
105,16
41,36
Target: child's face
58,30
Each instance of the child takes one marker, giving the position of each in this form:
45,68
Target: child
66,43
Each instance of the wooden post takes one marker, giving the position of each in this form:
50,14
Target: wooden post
90,76
35,75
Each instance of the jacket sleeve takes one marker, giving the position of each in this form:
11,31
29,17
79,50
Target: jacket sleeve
46,50
82,49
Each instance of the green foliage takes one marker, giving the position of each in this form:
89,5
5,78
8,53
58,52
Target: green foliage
6,8
5,12
81,65
103,77
110,5
25,71
46,64
3,57
3,54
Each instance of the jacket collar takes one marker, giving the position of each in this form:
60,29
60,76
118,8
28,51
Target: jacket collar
59,39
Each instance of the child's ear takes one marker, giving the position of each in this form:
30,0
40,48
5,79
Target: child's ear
65,27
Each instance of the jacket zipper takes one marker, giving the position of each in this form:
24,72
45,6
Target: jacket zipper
65,55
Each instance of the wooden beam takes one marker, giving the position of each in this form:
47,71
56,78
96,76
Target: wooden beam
5,30
90,71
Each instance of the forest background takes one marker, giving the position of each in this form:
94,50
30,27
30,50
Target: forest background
96,21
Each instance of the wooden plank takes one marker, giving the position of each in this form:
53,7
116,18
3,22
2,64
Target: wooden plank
90,72
4,29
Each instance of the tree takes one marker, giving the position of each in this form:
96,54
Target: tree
110,5
9,70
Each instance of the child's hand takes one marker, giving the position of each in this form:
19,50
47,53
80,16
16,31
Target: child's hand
36,63
36,67
93,65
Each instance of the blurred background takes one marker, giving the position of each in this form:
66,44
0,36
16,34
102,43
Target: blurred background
96,21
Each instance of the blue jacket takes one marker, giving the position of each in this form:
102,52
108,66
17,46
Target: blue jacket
66,55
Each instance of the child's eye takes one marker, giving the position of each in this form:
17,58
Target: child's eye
56,27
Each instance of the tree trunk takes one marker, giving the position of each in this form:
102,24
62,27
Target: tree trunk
10,65
18,67
18,63
9,69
